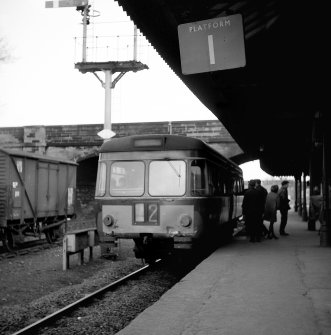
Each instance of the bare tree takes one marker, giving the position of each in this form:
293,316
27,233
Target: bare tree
4,53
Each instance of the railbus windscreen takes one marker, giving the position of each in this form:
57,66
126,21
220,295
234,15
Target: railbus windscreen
127,178
167,178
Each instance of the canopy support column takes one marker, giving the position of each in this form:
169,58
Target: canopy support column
325,238
296,193
299,196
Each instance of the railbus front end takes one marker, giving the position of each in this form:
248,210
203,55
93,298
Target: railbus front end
165,192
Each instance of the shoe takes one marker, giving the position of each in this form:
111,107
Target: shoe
275,237
284,234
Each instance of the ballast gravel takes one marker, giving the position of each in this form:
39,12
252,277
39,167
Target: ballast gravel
33,286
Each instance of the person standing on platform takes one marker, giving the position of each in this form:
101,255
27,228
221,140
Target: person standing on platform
270,211
263,195
283,207
252,212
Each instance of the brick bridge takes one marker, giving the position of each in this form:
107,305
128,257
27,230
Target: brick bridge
80,143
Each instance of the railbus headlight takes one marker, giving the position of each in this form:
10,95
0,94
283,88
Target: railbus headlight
108,220
185,220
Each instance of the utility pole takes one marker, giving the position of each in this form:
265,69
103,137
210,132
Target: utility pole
109,69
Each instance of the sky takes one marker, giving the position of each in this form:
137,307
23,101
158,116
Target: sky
40,85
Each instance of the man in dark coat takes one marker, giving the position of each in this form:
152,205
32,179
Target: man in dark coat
263,196
252,212
283,207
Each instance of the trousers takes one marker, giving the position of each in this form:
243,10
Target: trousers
283,220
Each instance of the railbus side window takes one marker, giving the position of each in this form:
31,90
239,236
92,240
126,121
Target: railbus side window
229,185
167,178
235,187
211,178
100,189
198,178
127,178
220,182
216,180
241,185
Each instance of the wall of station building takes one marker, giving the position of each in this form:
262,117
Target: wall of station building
80,143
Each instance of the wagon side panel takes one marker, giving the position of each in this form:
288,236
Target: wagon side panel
53,178
67,188
62,189
42,189
71,189
29,178
15,189
3,189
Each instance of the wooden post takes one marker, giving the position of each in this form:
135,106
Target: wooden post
75,243
81,257
65,258
92,237
91,253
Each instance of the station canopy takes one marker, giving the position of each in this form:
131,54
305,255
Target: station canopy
270,104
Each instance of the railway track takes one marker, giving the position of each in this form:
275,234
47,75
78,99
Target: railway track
83,302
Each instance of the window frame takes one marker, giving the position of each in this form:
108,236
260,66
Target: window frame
167,161
101,163
143,175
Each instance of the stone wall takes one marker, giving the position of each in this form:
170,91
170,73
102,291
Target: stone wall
76,141
80,143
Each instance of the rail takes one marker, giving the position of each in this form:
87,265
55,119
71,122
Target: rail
32,329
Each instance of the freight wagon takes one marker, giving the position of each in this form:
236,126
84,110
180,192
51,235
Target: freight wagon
37,195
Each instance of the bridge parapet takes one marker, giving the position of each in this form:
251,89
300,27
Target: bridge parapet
76,141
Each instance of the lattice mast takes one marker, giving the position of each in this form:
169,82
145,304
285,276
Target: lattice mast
108,68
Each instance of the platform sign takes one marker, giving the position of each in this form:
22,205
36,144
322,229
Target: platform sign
65,3
212,45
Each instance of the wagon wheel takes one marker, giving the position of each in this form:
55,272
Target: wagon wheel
7,239
51,235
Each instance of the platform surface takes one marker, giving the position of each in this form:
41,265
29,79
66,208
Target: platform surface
280,287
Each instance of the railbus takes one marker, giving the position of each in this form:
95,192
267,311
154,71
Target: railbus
166,192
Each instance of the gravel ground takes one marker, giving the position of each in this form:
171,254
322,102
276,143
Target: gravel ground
34,285
115,309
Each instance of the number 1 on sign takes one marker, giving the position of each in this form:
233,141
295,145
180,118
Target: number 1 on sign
211,49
